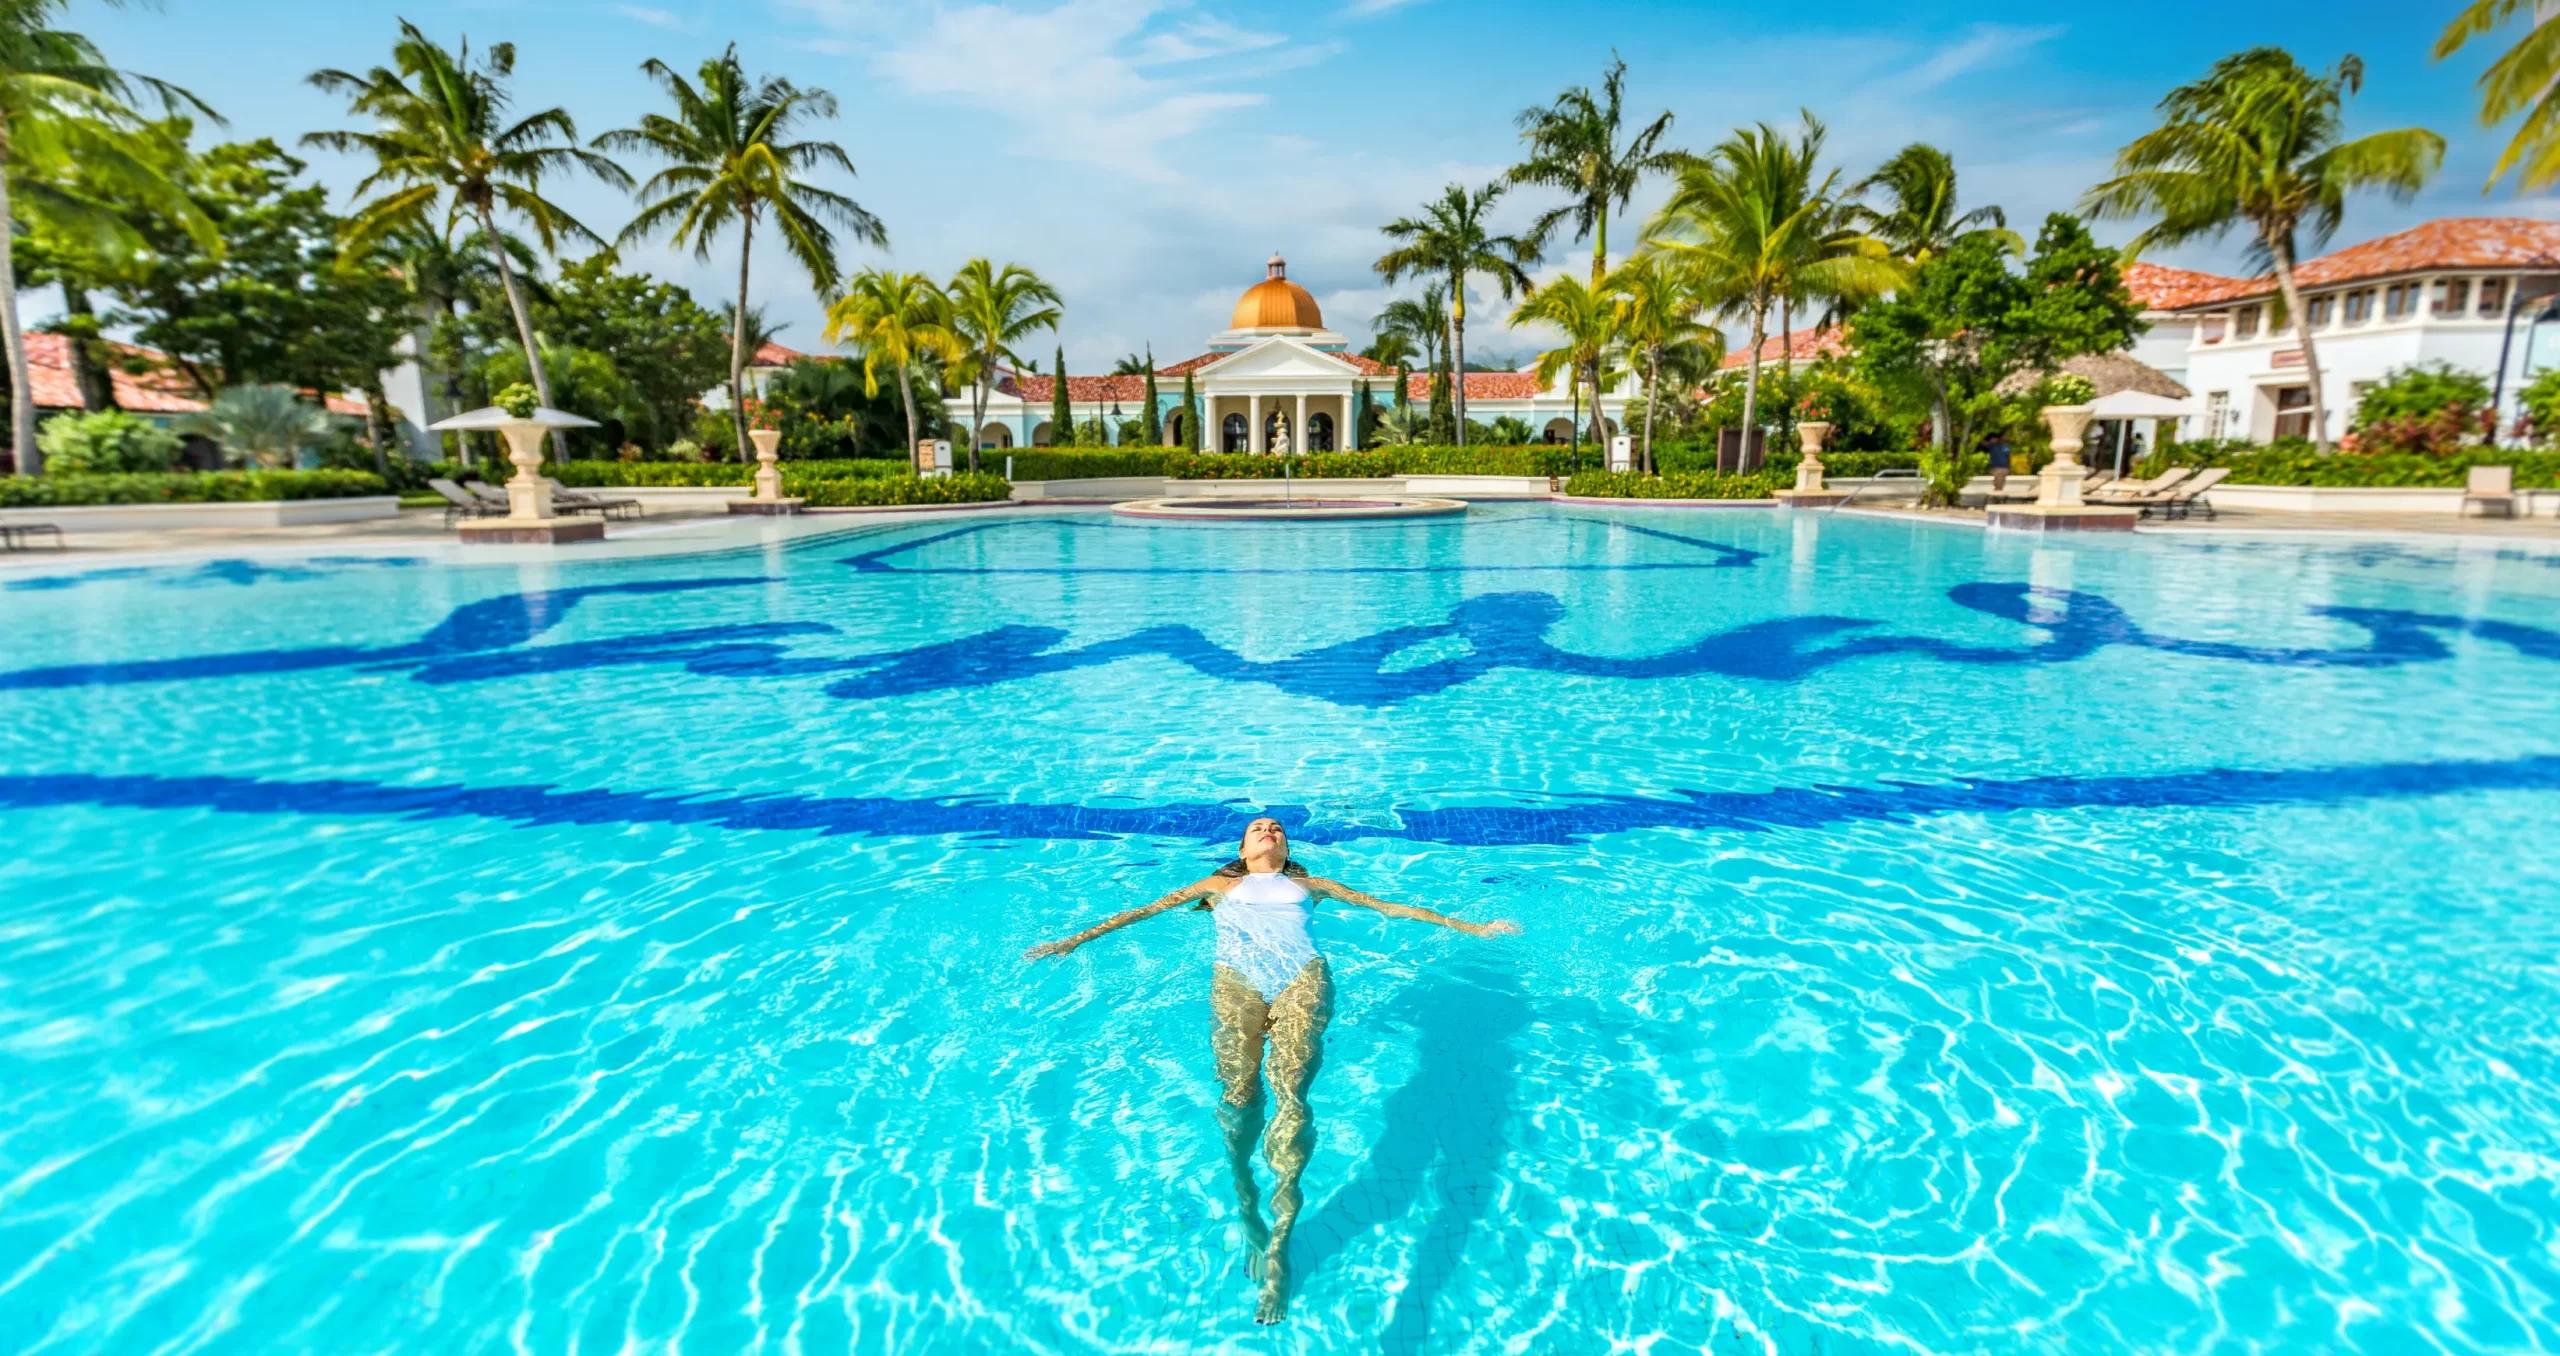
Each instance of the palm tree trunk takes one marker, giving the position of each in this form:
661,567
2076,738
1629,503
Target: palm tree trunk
1458,352
977,409
738,346
1652,385
97,389
1751,385
22,400
907,399
524,330
1600,248
2281,247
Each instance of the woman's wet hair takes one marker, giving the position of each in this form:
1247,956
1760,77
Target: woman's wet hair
1238,868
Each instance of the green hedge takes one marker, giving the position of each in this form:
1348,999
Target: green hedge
202,487
867,491
1078,463
1082,463
624,474
1687,485
2534,470
1701,458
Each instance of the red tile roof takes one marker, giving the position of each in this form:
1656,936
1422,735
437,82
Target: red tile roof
773,355
2161,288
2454,242
1131,390
1482,386
160,390
1808,345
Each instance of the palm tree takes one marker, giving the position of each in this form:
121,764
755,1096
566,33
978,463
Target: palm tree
900,319
443,150
1574,146
1130,365
730,159
1418,324
1752,228
1389,348
265,426
64,110
1922,220
2524,80
751,336
1588,320
2257,141
992,310
1655,312
1450,238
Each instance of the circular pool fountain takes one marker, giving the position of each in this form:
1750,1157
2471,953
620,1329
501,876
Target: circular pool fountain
1211,508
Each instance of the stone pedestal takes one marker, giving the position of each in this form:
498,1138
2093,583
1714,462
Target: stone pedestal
768,500
2058,506
532,531
1810,491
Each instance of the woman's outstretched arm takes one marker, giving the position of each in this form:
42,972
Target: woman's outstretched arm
1334,889
1204,889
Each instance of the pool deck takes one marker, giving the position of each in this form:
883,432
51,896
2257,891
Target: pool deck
690,528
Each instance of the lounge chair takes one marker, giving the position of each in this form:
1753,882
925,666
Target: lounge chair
2178,500
461,503
2126,491
2490,487
579,501
16,536
490,494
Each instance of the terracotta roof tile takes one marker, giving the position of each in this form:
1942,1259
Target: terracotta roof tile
2454,242
1482,386
1129,390
161,390
1808,345
774,355
2161,288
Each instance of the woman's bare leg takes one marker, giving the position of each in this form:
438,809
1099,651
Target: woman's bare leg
1241,1017
1298,1019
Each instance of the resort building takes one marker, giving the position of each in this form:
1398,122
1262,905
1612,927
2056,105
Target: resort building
2464,291
1275,371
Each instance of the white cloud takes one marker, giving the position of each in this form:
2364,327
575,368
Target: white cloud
655,18
1364,9
1986,45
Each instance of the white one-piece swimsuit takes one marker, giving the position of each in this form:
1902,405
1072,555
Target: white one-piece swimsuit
1262,931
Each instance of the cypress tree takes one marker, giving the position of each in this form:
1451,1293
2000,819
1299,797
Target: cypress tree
1191,432
1360,412
1443,414
1151,424
1062,423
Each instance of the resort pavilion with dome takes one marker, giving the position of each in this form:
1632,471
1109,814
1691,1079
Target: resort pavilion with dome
1275,366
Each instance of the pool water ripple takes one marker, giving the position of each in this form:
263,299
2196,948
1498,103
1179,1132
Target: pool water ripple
2264,1065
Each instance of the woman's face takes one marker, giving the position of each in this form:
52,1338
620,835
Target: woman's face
1265,838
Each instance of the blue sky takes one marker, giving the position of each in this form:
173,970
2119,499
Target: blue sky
1148,155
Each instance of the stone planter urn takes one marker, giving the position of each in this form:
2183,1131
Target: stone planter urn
2059,485
529,517
1813,433
768,443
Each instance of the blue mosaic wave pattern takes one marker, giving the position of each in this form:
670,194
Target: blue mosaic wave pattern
1934,943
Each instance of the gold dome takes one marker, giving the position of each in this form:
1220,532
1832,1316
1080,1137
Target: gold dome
1275,303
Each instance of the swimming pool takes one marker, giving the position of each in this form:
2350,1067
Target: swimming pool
1935,941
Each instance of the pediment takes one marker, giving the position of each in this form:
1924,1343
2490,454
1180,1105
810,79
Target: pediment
1279,359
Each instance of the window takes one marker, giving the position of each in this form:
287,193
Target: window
2319,311
2244,323
2493,297
2217,412
2293,411
2398,300
2359,306
2453,296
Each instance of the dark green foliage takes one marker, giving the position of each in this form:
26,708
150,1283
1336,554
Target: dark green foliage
823,412
1412,459
673,473
1151,420
967,487
664,348
1078,463
1062,424
209,487
1760,484
2421,391
1191,432
2540,401
2293,462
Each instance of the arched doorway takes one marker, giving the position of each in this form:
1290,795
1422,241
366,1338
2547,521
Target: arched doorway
1040,434
1173,429
1559,431
1232,434
995,435
1320,432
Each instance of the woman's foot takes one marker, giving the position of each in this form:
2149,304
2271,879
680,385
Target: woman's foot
1275,1292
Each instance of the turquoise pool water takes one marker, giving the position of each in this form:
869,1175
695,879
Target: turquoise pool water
1934,943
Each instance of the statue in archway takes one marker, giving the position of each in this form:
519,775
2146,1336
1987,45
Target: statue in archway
1280,436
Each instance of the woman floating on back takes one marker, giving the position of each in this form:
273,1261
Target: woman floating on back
1268,987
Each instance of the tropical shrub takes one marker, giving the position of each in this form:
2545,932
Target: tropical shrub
2540,405
105,442
678,473
1079,463
209,487
1760,484
266,425
2068,388
2298,464
965,487
2420,392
